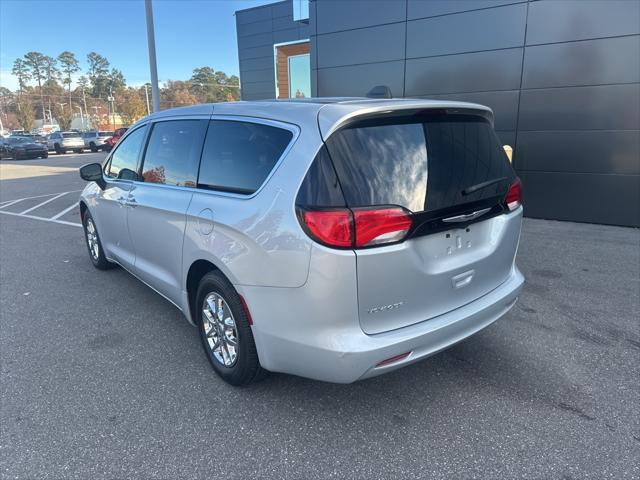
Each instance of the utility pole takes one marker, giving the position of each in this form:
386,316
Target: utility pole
146,94
81,117
151,41
112,109
84,101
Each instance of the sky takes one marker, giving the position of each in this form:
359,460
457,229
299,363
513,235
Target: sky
189,34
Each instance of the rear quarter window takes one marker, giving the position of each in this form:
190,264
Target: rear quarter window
238,156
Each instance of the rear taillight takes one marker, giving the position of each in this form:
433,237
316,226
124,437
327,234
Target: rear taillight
381,225
356,228
331,227
514,195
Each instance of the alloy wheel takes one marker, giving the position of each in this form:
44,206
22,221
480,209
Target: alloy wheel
220,329
92,239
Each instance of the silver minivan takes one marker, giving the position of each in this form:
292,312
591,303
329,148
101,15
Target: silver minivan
335,239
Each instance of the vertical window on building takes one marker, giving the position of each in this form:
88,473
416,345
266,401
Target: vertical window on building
293,70
299,76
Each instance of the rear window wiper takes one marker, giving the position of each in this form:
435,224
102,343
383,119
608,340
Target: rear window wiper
480,186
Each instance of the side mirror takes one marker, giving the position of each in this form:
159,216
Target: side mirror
509,151
92,172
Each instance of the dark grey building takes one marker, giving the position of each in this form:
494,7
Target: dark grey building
562,76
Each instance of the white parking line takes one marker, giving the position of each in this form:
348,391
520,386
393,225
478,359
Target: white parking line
11,202
8,204
43,203
66,210
33,217
54,219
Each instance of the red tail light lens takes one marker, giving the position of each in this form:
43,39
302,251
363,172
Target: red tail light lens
331,227
344,228
378,226
514,195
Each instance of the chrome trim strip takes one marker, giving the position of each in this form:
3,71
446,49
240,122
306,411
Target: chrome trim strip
466,217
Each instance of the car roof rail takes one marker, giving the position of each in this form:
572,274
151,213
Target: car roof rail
380,91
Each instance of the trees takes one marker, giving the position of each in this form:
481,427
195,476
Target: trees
116,80
36,64
24,113
210,85
98,74
130,105
21,71
69,65
55,96
176,93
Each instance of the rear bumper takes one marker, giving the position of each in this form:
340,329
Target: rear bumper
297,332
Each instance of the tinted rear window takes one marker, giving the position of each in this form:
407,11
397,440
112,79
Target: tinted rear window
422,163
239,156
71,135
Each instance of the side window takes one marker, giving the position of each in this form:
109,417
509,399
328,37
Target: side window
238,156
124,159
173,152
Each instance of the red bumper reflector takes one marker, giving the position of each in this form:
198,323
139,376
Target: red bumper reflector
246,310
394,359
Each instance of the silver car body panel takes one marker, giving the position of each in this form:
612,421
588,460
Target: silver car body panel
311,315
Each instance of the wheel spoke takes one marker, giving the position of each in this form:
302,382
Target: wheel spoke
220,329
212,305
230,338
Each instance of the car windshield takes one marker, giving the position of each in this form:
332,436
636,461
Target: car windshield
17,140
71,135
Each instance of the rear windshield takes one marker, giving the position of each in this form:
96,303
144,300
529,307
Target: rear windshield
71,135
105,134
422,163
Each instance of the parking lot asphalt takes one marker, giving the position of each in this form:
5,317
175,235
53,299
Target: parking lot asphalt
102,378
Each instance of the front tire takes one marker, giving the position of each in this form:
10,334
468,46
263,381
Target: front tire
93,147
92,239
58,150
225,331
45,155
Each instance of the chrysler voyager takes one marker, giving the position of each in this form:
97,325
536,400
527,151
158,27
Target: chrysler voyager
335,239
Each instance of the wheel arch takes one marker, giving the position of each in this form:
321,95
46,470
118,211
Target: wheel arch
83,210
198,269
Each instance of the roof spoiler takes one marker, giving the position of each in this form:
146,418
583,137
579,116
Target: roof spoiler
380,91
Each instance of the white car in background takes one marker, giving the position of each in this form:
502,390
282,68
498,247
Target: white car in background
96,140
61,142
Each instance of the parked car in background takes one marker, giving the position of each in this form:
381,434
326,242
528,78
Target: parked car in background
336,239
96,140
61,142
115,138
19,148
3,145
33,136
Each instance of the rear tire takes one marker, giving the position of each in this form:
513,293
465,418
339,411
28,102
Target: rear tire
94,245
45,155
58,150
237,365
93,147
